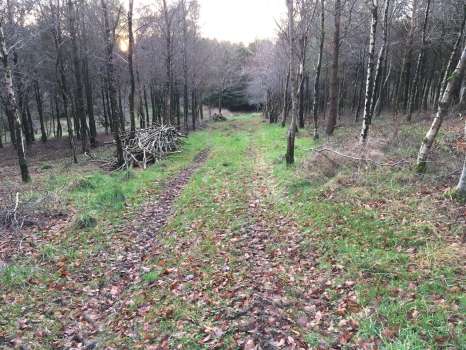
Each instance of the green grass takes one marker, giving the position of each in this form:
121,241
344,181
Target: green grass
408,277
376,249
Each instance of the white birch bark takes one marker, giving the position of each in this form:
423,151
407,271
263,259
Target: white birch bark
442,111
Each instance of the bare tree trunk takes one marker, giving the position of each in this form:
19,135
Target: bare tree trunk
381,57
451,61
443,107
193,108
146,105
121,114
109,43
301,106
131,68
81,115
285,98
461,187
40,111
315,103
333,100
420,62
185,67
367,118
11,108
405,73
294,84
90,104
168,43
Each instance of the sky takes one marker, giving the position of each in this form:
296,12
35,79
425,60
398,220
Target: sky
240,20
237,20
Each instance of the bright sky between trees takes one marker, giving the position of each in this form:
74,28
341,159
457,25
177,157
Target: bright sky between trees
237,20
240,20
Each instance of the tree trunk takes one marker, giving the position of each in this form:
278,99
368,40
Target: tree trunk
168,62
294,84
121,115
81,115
109,43
40,111
61,77
420,62
443,107
381,57
285,98
405,73
451,61
185,67
333,100
315,103
367,118
131,68
301,106
193,109
90,104
461,187
146,106
11,108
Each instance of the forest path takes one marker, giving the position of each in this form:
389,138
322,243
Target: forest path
230,270
206,259
121,265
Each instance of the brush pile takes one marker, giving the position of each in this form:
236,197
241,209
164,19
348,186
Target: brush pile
216,117
148,146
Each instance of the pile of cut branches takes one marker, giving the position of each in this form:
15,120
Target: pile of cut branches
216,117
150,145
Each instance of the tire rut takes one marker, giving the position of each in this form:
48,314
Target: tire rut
91,317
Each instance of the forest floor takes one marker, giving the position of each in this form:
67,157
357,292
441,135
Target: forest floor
222,246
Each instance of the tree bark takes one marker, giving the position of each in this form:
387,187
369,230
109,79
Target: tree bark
61,78
168,62
109,44
315,103
380,58
333,100
40,111
11,108
131,68
420,62
461,187
367,117
185,67
405,74
294,84
442,111
81,115
90,104
285,98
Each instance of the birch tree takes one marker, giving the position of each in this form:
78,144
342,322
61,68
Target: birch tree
367,118
11,107
442,111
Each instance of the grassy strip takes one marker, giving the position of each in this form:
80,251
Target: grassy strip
409,279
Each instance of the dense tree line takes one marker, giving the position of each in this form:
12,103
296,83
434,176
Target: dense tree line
76,68
354,59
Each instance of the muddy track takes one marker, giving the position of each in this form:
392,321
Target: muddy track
92,310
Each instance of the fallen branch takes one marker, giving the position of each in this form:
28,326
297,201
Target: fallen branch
360,159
